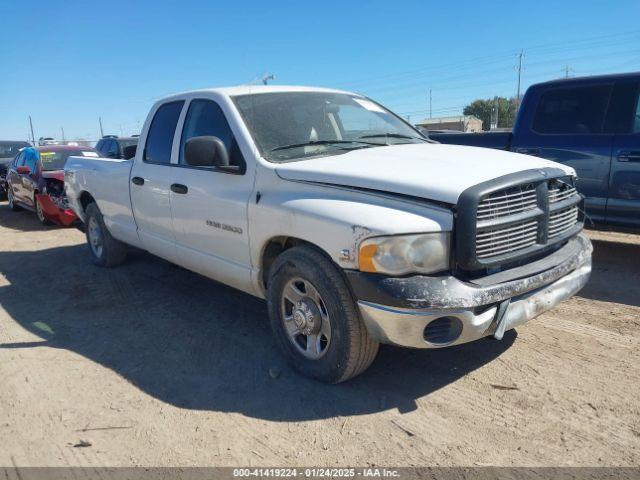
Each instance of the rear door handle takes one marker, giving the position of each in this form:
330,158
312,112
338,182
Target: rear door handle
627,156
529,151
137,181
179,188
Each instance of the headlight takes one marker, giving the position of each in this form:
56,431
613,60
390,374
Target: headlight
402,254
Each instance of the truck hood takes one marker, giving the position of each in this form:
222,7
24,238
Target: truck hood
431,171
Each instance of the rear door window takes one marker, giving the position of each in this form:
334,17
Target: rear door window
572,110
161,131
19,160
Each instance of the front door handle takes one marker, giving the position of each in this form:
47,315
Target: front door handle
179,188
137,181
529,151
627,156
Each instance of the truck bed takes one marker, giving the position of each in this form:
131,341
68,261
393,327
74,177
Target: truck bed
497,140
108,181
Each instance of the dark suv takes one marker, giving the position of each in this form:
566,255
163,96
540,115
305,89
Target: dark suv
112,146
8,150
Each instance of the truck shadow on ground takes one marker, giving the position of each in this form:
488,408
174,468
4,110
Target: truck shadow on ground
616,273
197,344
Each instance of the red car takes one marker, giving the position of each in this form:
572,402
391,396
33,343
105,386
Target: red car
35,181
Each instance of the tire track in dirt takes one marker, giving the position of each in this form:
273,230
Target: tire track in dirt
604,336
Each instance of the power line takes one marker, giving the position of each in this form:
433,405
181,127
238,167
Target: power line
610,39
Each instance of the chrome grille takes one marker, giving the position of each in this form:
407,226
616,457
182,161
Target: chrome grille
562,221
559,191
507,202
512,220
498,241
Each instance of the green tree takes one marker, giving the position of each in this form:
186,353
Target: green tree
485,110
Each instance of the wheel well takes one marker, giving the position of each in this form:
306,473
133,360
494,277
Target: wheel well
85,200
277,246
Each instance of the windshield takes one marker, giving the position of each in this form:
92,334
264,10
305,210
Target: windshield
11,149
297,125
56,160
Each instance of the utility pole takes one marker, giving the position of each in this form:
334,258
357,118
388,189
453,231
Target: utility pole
33,138
430,104
496,109
566,71
520,55
62,129
101,131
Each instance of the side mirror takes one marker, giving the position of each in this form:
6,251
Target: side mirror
206,152
23,170
129,152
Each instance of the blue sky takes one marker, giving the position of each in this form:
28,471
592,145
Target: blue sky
66,63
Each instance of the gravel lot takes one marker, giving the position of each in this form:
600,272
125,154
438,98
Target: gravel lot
149,364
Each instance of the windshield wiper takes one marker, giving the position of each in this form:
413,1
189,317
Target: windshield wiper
393,135
325,142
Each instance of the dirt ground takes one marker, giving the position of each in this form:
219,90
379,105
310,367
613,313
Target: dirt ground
149,364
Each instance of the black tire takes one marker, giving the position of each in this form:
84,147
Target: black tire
39,213
350,350
11,200
112,252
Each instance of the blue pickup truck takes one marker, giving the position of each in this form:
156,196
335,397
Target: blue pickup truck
589,123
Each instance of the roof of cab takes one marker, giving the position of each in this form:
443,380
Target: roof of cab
63,148
256,89
610,77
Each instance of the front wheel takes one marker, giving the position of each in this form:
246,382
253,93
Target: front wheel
39,212
315,318
105,250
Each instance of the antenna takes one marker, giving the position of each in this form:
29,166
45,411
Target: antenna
33,138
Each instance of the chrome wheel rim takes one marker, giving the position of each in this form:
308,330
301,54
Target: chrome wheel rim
95,237
39,211
10,197
305,318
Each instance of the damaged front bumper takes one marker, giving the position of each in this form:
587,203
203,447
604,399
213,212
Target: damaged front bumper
432,312
62,215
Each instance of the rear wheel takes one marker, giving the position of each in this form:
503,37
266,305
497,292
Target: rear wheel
105,250
12,201
315,318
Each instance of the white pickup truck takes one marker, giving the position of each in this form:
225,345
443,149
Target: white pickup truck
355,228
